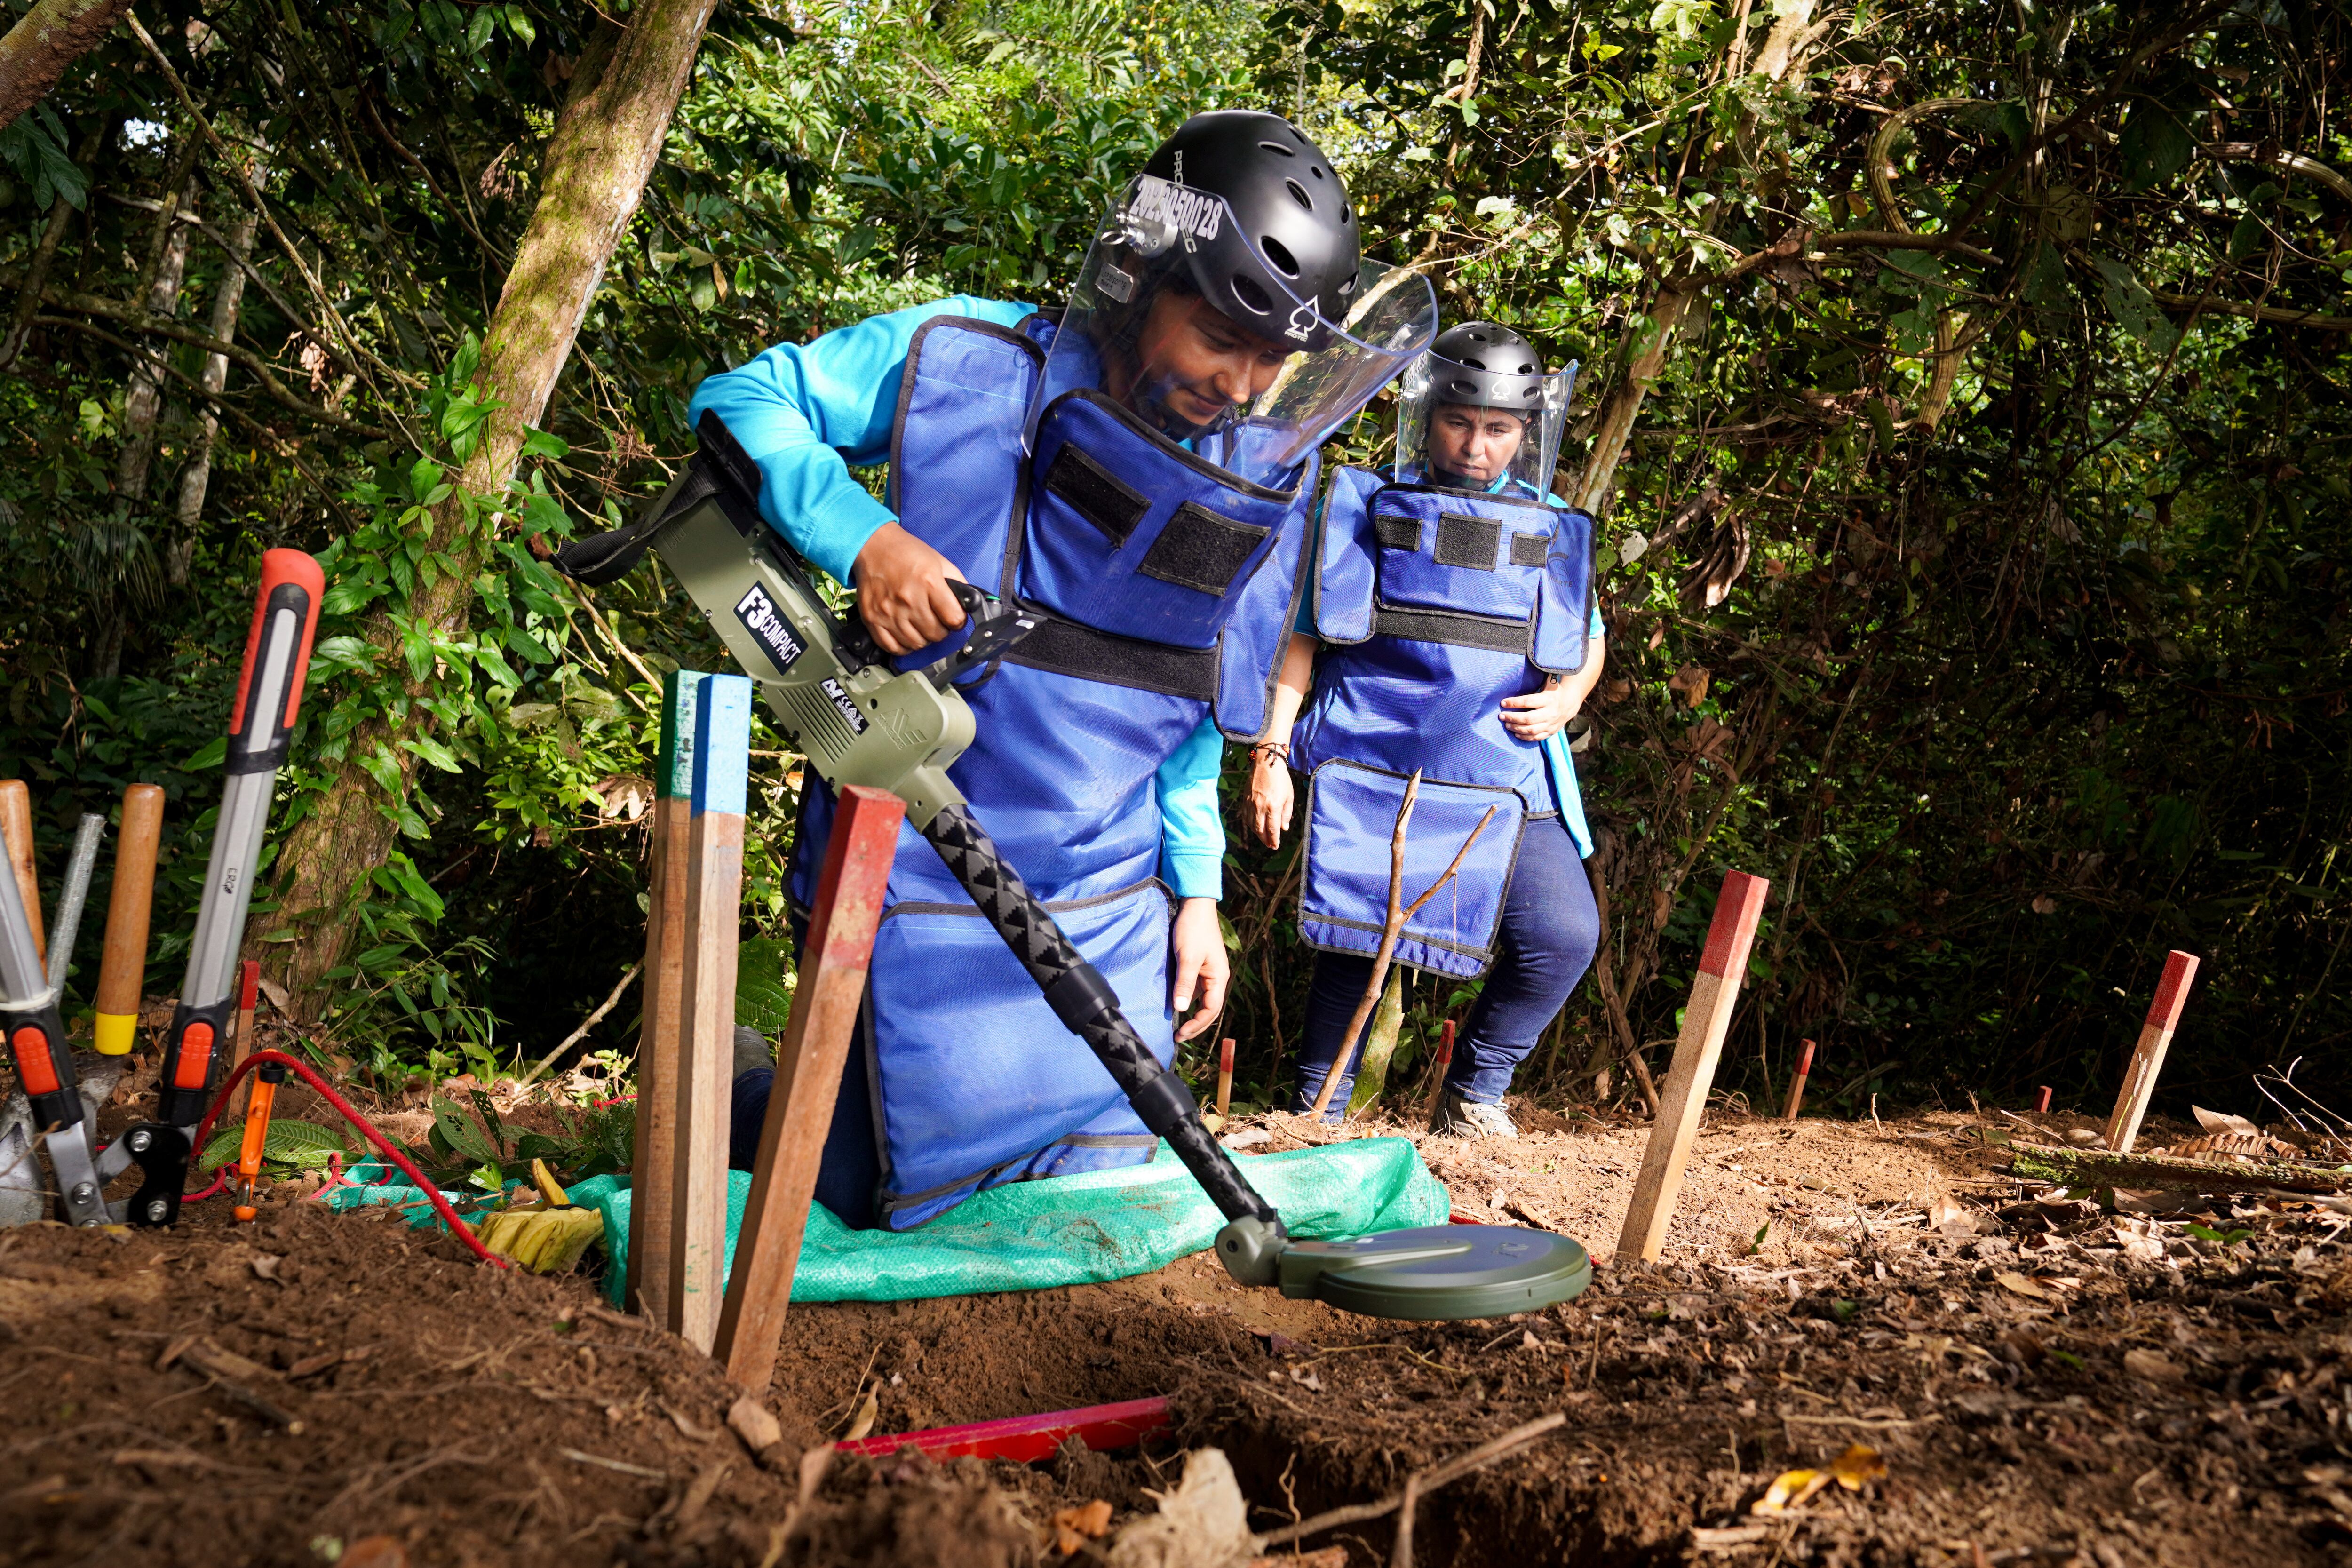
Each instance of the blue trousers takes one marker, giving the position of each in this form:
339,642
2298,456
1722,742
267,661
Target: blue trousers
852,1168
1550,930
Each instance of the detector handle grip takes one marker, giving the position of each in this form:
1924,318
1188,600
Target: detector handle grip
1087,1006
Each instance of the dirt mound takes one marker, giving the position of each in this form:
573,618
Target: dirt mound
2047,1381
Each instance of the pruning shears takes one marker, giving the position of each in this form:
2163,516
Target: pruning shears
261,726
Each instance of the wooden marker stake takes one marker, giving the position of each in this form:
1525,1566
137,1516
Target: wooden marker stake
651,1208
714,925
1225,1075
809,1060
2147,1057
122,973
2041,1105
1683,1099
1437,1081
17,824
1797,1084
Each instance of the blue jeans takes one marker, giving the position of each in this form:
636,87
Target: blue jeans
850,1171
1550,931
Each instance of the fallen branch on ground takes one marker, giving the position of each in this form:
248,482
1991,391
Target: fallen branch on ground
2098,1168
1418,1485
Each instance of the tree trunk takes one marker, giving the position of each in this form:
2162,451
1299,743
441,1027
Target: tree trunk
196,477
50,37
1651,341
143,404
604,147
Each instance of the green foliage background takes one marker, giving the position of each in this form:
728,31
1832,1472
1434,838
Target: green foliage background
2011,680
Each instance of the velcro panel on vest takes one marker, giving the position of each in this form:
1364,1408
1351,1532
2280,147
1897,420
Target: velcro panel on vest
1176,576
1468,541
1251,647
1465,569
1096,493
980,1083
1394,532
1346,571
956,459
1564,607
1530,549
1351,820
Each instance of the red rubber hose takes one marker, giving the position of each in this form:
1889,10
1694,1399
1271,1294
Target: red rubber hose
220,1181
441,1205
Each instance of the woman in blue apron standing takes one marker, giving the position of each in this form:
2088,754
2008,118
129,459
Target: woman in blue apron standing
1138,466
1452,633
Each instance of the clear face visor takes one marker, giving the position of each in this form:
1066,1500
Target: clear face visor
1187,323
1472,432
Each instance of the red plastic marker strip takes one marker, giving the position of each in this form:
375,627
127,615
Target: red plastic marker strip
1025,1439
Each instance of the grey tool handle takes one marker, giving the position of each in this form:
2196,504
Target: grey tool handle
1085,1001
73,895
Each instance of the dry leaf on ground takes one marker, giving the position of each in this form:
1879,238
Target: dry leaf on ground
2152,1366
1073,1527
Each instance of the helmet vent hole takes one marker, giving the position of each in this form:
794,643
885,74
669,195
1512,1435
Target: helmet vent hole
1253,297
1346,285
1279,254
1278,147
1298,194
1346,216
1315,170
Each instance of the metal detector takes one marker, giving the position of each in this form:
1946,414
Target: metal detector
859,721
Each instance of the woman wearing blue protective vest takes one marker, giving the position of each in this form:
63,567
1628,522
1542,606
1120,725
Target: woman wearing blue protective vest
1138,467
1452,633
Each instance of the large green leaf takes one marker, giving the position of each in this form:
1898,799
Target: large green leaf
304,1145
764,997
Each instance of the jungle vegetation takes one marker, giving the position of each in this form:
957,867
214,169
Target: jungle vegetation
1965,405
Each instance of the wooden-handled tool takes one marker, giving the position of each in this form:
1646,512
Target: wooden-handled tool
122,973
1225,1075
17,824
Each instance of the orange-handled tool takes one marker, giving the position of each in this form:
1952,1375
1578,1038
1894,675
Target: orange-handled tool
261,727
122,973
266,1080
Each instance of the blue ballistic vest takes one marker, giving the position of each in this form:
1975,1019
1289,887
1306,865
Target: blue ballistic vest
1434,605
1169,588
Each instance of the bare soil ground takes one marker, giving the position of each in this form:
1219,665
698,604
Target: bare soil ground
2046,1380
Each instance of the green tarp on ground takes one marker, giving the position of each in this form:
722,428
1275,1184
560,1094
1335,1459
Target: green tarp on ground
1071,1230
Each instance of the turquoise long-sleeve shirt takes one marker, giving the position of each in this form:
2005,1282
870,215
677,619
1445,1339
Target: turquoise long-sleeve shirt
805,412
1559,762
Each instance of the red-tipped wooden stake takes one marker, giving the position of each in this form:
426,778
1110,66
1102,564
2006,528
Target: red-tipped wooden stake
2147,1057
1682,1102
1437,1081
1225,1075
1797,1084
809,1062
2041,1105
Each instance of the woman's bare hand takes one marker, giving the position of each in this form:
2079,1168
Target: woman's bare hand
1271,797
903,593
1202,968
1540,714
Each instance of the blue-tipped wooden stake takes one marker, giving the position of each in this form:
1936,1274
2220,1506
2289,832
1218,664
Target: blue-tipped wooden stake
653,1205
714,889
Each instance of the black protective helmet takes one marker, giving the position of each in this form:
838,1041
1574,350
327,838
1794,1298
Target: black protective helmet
1482,366
1298,230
